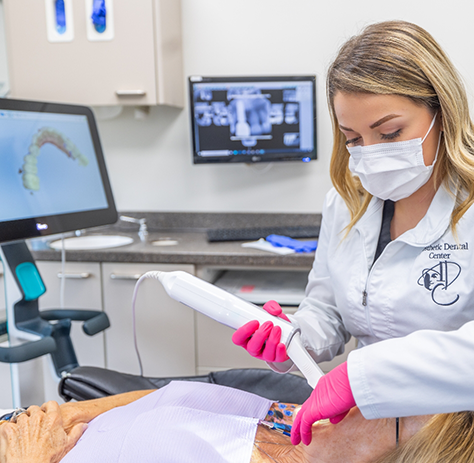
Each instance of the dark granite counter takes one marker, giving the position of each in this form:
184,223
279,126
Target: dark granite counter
192,247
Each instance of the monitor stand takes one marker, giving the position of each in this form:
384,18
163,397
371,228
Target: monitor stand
29,335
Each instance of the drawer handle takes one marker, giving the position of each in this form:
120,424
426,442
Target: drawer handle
130,92
116,276
75,276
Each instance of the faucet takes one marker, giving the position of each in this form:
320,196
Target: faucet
142,231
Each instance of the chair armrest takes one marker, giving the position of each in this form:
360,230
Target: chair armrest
95,321
27,351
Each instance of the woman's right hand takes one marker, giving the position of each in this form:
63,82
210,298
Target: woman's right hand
263,342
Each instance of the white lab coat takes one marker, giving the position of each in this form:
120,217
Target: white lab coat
423,280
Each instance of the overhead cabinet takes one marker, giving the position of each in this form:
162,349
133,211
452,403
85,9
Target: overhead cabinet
136,60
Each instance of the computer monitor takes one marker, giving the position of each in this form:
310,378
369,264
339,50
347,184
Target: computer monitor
52,171
253,119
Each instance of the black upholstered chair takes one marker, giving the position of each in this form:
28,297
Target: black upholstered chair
83,383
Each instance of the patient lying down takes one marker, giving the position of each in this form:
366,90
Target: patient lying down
45,435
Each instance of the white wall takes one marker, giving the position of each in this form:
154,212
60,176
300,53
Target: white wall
3,57
149,161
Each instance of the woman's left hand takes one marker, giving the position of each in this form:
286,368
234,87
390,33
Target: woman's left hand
332,398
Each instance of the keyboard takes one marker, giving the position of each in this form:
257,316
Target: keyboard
252,234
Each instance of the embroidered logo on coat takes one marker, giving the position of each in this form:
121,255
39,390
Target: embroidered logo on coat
438,279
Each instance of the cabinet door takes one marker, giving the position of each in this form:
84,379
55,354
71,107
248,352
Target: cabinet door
82,71
165,328
82,291
215,348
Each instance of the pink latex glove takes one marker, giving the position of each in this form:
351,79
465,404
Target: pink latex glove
332,398
263,342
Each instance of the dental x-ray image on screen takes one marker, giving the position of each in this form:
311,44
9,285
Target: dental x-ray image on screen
253,119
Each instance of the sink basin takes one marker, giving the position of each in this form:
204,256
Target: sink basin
91,242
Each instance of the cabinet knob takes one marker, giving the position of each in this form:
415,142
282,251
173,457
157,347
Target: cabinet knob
120,93
117,276
75,276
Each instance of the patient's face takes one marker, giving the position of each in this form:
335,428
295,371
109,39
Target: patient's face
354,440
358,440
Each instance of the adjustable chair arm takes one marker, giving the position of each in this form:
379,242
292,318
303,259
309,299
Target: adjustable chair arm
27,351
95,321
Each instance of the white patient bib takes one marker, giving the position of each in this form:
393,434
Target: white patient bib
182,422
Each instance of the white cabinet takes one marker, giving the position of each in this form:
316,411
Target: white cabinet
215,349
141,64
82,291
165,328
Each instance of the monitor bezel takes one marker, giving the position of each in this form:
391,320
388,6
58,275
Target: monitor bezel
250,158
20,229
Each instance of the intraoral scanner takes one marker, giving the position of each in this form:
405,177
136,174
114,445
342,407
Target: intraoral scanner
234,312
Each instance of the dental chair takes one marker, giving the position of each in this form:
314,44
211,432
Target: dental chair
84,383
47,332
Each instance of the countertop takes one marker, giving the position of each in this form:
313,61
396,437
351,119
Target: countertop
188,229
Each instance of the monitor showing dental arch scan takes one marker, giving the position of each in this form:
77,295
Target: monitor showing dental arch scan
253,119
52,172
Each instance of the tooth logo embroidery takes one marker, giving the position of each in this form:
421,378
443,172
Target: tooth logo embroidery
438,280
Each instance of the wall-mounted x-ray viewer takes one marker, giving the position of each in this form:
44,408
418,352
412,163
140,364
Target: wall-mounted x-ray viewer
253,119
59,20
100,20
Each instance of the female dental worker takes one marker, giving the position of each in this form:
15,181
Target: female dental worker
394,265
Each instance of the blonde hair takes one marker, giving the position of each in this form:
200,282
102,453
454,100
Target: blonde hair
447,438
401,58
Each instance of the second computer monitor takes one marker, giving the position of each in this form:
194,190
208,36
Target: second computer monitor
253,119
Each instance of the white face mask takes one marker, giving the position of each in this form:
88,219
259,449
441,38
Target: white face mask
392,170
